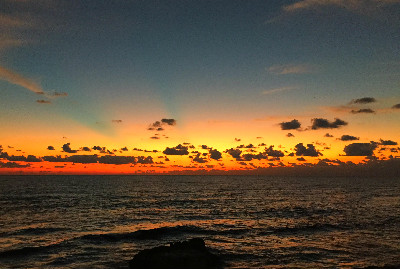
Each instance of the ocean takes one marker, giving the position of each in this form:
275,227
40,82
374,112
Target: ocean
250,221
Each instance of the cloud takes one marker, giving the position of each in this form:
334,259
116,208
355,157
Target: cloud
290,125
67,148
328,135
171,122
360,149
238,139
199,159
358,6
271,91
396,106
348,138
57,94
290,135
178,150
363,110
388,143
144,160
116,121
364,100
13,165
215,154
41,101
158,125
292,69
85,149
50,148
17,79
235,153
274,153
319,123
310,150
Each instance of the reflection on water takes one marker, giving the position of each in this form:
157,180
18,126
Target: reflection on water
253,222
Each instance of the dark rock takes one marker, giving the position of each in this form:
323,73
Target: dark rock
191,254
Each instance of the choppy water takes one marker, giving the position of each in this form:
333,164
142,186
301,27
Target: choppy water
252,222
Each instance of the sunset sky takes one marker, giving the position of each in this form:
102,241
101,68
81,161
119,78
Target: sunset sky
146,86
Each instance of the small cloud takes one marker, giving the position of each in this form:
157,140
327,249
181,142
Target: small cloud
66,148
274,153
57,94
215,154
276,90
301,159
238,139
360,149
290,125
290,135
50,148
388,143
348,138
41,101
328,135
396,106
292,69
86,149
199,159
310,150
178,150
235,153
319,123
124,149
364,100
363,110
116,121
154,137
171,122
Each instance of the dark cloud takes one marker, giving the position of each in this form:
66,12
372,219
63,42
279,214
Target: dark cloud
158,125
145,160
388,143
116,121
396,106
85,159
328,135
169,121
290,125
67,148
348,138
249,146
154,137
290,135
41,101
178,150
199,159
204,146
363,110
319,123
50,148
98,148
249,157
235,153
12,158
310,150
301,159
124,149
274,153
364,100
360,149
13,165
238,139
85,149
215,154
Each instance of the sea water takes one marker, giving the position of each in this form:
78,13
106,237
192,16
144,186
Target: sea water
250,221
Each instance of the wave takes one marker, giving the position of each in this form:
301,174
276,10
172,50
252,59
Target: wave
37,231
12,253
157,233
318,227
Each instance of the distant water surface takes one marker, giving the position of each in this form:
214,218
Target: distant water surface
252,222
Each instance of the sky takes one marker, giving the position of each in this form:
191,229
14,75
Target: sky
190,86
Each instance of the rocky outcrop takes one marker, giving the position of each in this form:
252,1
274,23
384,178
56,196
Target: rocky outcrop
191,254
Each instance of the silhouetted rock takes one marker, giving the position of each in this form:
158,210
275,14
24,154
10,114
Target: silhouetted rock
191,254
